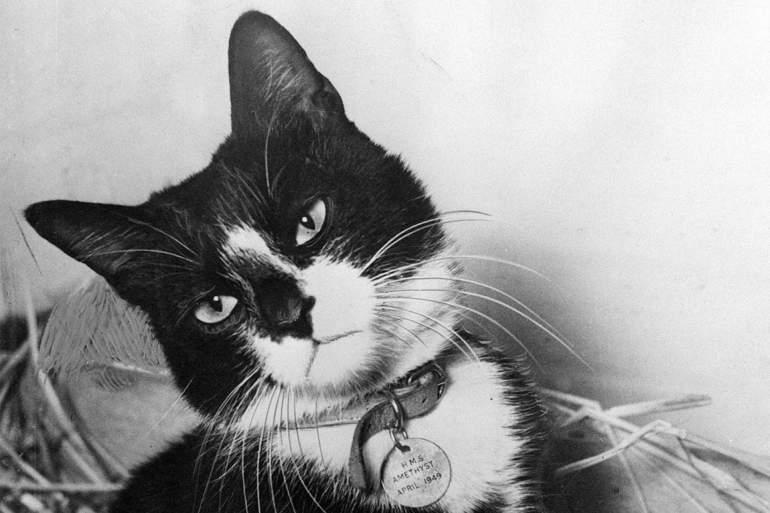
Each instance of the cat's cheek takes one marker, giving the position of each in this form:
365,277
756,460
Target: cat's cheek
345,300
338,363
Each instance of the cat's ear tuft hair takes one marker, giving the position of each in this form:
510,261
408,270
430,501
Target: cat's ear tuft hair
113,240
272,81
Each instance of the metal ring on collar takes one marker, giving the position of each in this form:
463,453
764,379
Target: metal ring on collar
398,409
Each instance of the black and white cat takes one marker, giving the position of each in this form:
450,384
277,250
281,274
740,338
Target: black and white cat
305,296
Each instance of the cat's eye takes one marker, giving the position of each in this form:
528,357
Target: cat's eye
311,222
215,308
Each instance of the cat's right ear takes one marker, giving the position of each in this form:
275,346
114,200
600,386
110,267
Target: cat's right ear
113,240
273,84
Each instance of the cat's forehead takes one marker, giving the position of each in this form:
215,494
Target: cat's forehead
247,186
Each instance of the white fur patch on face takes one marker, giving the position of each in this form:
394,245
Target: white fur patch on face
345,300
246,242
288,361
341,345
414,322
245,239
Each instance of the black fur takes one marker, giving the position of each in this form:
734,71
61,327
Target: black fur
291,144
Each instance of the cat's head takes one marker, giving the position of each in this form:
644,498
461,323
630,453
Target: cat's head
303,258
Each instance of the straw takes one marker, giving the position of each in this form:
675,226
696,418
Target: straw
44,430
643,439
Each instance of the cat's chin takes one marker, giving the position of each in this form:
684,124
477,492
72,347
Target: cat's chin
319,366
338,367
289,362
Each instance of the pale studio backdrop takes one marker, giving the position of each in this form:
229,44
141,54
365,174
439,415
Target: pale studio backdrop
622,147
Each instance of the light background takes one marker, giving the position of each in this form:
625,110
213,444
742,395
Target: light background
622,147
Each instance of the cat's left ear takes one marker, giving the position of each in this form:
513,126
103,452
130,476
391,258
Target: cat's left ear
116,241
273,84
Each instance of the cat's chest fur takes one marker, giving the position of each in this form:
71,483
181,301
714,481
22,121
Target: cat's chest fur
472,424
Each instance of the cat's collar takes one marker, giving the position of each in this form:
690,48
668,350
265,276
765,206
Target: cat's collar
413,396
421,391
418,392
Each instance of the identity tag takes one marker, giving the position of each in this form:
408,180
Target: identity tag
416,473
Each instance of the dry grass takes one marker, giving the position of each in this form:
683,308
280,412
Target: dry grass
605,463
47,464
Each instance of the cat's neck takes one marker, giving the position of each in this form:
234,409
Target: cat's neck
283,409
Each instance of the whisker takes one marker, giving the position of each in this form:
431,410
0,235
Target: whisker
553,331
279,459
209,434
422,225
561,341
267,146
256,388
441,324
168,410
480,314
384,277
269,443
296,427
382,317
244,485
297,470
391,320
417,227
267,450
465,316
274,189
528,314
279,412
197,469
318,436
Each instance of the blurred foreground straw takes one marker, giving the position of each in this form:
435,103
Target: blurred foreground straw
46,463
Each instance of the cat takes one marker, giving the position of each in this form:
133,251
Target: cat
305,294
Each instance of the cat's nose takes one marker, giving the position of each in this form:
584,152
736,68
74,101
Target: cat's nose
284,306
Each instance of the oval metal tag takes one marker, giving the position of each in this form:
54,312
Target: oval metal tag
416,473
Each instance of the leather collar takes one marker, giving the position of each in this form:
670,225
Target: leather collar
413,396
424,389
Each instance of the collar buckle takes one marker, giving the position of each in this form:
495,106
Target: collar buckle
430,372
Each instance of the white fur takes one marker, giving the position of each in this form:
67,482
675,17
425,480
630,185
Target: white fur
289,361
245,239
245,242
344,318
344,299
468,424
